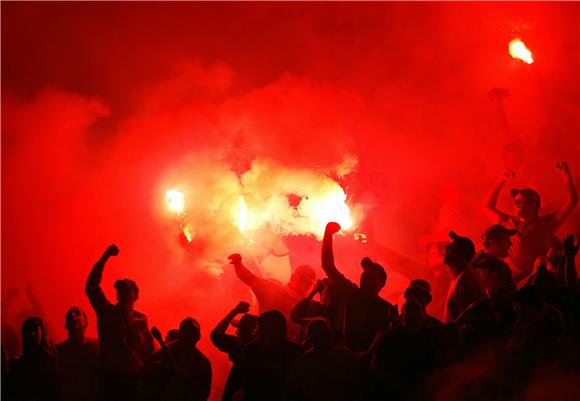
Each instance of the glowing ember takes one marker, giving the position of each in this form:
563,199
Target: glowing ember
188,232
175,201
361,237
518,50
242,214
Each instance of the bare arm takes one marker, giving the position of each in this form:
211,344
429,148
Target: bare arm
222,326
327,252
491,203
571,189
243,272
93,289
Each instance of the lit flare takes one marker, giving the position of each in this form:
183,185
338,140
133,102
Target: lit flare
518,50
175,201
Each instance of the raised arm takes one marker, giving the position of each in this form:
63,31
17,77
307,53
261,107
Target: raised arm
571,250
222,326
93,289
327,253
570,188
301,308
243,272
491,203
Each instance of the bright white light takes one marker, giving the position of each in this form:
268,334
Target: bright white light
175,201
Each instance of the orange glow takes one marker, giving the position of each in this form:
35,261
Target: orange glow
518,50
242,214
326,207
175,201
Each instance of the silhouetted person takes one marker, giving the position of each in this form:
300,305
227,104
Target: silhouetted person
493,314
266,362
178,371
124,339
77,358
532,229
233,345
403,356
35,373
360,313
438,277
307,308
464,288
326,371
172,335
271,294
420,290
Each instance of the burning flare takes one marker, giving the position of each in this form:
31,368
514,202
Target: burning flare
518,50
175,201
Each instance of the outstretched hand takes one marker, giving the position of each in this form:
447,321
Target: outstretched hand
332,228
112,250
242,307
235,258
571,248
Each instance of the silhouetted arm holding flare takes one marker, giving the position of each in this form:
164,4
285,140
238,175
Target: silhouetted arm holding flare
327,253
491,203
565,211
93,289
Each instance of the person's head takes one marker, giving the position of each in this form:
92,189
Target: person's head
527,202
272,327
496,240
459,252
127,292
76,322
494,275
247,327
319,334
189,331
32,333
411,313
419,290
302,279
172,335
373,278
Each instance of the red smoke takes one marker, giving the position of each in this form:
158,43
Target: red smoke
106,106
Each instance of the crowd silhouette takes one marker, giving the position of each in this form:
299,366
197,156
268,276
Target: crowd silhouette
510,314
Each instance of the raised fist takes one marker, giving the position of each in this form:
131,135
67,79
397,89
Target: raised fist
242,307
562,166
332,227
508,175
112,250
235,258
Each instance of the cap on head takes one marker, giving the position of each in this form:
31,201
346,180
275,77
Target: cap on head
531,194
463,245
497,232
420,290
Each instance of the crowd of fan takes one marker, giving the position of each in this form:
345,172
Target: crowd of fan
512,310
